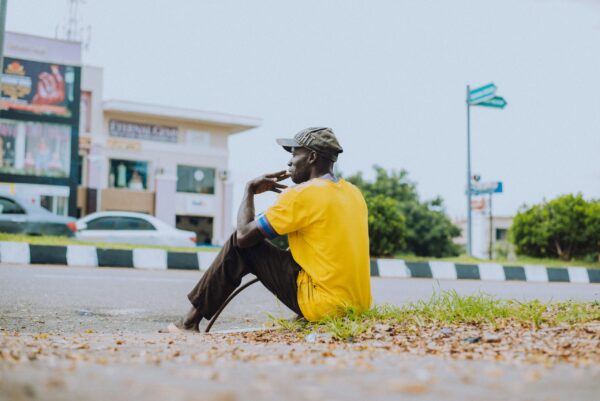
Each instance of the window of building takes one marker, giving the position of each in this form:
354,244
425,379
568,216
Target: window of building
80,161
35,149
9,207
202,226
129,174
198,180
85,112
501,234
55,204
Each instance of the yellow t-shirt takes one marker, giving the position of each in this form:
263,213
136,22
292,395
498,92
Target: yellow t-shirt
327,227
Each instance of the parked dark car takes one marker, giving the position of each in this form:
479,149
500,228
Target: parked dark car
17,216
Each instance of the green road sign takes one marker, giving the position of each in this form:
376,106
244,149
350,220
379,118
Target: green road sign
482,94
497,102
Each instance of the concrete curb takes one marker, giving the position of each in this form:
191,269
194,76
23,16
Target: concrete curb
90,256
160,259
483,271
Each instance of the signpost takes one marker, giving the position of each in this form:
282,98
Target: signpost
484,96
490,187
496,101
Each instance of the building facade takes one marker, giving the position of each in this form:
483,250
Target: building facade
488,233
66,148
165,161
39,120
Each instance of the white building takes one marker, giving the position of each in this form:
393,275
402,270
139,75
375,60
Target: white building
166,161
485,234
65,147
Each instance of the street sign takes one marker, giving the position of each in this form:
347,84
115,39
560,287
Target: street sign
478,204
482,94
480,188
497,102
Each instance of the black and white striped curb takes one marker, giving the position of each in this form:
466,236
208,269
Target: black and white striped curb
91,256
149,258
482,271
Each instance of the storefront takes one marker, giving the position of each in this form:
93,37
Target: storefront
65,148
164,161
39,121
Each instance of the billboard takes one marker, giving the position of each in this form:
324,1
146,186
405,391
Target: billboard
40,88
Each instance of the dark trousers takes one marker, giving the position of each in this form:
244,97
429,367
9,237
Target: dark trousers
275,268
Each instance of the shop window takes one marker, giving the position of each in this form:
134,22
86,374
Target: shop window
198,180
128,174
55,204
37,149
202,226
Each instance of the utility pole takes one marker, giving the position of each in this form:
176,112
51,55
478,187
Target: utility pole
491,225
2,27
484,96
469,211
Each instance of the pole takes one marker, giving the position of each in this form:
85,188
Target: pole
469,233
2,24
491,225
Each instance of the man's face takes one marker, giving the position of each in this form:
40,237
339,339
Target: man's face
298,166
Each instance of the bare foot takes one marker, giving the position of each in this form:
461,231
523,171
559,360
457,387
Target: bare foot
180,327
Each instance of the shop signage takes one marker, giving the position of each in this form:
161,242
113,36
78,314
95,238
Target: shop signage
129,146
38,88
200,205
147,132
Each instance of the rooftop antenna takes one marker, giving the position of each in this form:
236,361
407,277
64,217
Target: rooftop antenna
72,27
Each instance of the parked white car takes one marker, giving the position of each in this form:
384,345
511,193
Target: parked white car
131,228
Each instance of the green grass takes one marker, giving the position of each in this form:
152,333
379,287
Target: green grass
63,241
448,308
521,260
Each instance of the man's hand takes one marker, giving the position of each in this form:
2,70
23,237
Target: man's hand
268,182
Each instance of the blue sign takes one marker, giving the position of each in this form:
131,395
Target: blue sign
481,188
482,94
497,102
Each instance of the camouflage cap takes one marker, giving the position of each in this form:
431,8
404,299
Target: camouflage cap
320,139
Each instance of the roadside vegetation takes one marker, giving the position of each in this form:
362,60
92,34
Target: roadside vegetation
564,228
517,261
460,327
399,221
64,241
561,232
448,308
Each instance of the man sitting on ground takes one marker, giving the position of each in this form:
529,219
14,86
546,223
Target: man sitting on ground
326,269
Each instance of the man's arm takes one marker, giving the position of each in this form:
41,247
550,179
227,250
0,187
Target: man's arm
248,233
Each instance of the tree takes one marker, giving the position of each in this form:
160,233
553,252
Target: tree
428,232
387,230
566,227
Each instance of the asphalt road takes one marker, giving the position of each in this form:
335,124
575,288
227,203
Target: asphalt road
90,334
106,300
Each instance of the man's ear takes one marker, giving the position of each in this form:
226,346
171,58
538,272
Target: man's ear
312,157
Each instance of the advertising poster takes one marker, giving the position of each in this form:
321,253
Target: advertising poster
47,150
35,149
8,136
38,88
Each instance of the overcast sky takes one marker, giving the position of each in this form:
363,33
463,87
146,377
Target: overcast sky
388,76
